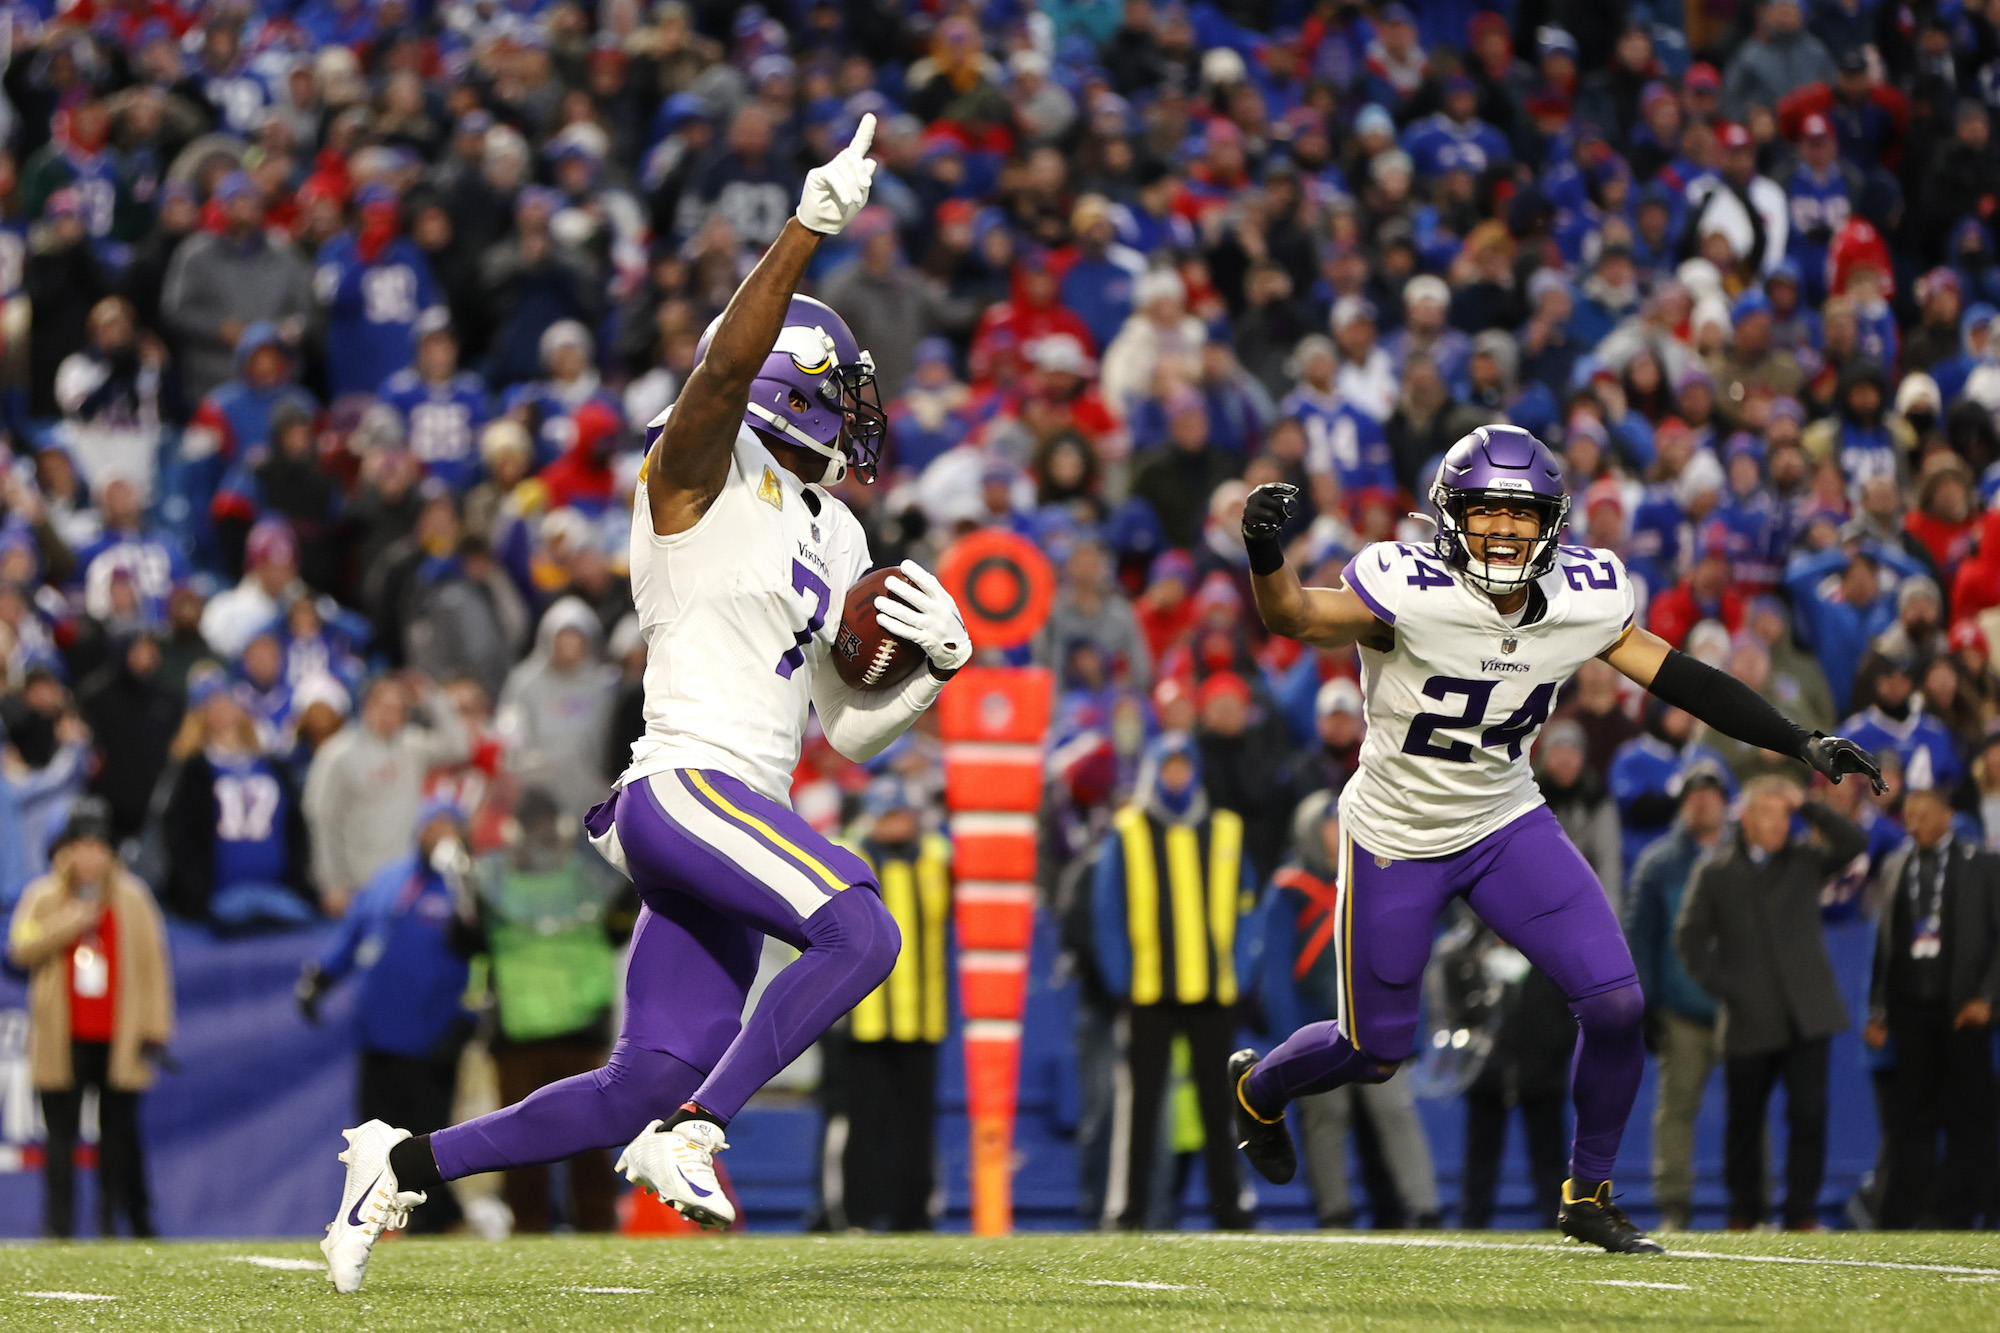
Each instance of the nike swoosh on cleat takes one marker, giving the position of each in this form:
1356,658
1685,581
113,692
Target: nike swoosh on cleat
706,1194
354,1213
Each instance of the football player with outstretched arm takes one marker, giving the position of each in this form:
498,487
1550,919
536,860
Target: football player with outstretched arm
1464,643
741,562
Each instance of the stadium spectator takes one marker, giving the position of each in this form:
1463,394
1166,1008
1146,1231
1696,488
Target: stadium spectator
100,1013
409,931
1577,795
555,707
364,784
890,1082
1749,934
1930,1010
237,851
1680,1015
1161,996
547,913
223,281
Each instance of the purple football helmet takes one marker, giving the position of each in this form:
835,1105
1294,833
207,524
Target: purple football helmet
1499,464
817,390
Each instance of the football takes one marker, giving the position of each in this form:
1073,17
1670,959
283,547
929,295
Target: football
867,656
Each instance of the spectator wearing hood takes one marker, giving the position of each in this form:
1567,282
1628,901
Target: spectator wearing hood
1149,927
1032,311
1895,720
1862,435
1100,283
1298,983
127,702
1976,348
221,283
1425,333
44,759
365,782
236,841
1958,180
375,285
409,933
556,706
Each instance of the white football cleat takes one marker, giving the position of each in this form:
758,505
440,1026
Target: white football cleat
678,1165
370,1205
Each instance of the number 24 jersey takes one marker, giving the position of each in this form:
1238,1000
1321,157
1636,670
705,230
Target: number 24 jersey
1453,708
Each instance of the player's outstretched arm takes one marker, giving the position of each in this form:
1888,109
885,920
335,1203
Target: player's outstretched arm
1322,617
1733,708
689,461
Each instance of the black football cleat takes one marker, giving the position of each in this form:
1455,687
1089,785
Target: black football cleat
1267,1143
1595,1220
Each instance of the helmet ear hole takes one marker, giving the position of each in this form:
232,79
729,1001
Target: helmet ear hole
798,401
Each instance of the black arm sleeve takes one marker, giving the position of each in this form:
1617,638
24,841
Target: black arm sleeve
1727,704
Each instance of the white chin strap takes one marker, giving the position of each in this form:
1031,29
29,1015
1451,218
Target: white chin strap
836,461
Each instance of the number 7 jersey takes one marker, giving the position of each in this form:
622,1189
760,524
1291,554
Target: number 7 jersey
1454,706
737,612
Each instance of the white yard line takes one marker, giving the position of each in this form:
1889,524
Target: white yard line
1439,1243
283,1265
67,1296
608,1291
1135,1286
1995,1278
1649,1286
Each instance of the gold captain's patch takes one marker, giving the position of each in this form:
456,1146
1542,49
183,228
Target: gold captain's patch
769,491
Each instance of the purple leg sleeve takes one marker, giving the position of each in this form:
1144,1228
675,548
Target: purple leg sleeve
1316,1058
1540,895
605,1108
1610,1060
851,945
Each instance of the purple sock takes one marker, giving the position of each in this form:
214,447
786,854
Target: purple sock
1604,1081
1316,1058
605,1108
850,946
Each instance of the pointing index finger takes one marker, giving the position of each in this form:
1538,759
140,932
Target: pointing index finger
864,136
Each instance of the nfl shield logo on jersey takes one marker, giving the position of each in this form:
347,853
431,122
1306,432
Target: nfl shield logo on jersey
1509,644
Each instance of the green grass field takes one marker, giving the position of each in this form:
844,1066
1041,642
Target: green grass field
1066,1284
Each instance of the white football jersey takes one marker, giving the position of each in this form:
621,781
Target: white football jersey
737,612
1454,707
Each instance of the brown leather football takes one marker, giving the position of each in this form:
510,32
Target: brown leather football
867,656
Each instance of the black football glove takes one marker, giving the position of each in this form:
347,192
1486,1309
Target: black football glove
1836,756
1268,509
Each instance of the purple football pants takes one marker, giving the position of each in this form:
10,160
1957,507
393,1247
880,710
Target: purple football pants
717,866
1529,883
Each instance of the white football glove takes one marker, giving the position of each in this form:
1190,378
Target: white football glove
837,191
924,613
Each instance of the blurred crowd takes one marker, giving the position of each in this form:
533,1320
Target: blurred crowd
329,331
